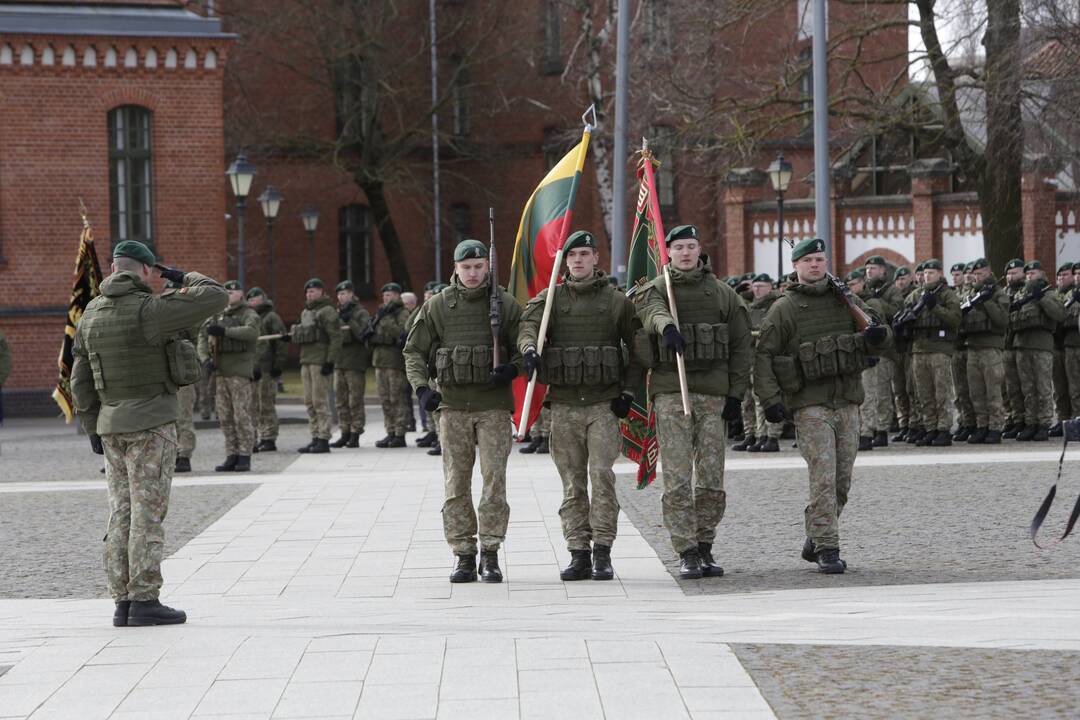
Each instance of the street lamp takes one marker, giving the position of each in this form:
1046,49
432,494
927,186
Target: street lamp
780,177
310,217
271,202
241,173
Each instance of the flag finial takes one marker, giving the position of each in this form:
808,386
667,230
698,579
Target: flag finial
588,118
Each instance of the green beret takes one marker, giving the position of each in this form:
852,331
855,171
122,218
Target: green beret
233,285
1033,265
1014,263
732,282
763,277
580,239
1066,267
470,250
807,247
901,272
391,287
933,264
173,284
314,283
876,260
957,267
439,288
969,267
979,263
135,250
747,277
344,285
255,291
857,274
430,285
920,267
613,281
681,232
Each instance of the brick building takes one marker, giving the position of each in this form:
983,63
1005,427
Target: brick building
119,104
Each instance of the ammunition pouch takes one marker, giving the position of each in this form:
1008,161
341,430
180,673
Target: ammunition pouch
832,356
184,365
303,334
1031,317
463,365
591,365
975,321
706,343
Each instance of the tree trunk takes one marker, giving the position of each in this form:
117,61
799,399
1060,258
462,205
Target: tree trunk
601,142
384,225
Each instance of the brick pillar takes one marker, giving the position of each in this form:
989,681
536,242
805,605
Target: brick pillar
928,178
1038,200
741,186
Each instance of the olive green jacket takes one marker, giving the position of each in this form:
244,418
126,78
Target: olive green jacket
162,319
946,313
1049,305
270,355
1070,331
884,297
355,355
327,349
241,326
995,309
5,359
386,341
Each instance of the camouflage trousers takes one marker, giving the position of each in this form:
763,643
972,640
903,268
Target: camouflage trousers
875,413
692,460
1014,395
234,408
828,440
206,392
349,388
901,390
266,418
461,433
986,380
1072,372
934,383
965,410
753,417
542,426
185,422
918,412
391,384
585,442
1062,392
138,470
1036,369
317,400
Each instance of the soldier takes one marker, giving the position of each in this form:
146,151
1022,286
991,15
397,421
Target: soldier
875,412
714,337
957,274
1071,341
270,357
319,336
385,335
1063,389
1033,317
123,381
809,361
410,301
185,401
1014,396
436,447
427,422
589,389
965,409
474,402
350,372
761,435
903,281
985,320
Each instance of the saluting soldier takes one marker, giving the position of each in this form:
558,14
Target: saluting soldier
319,336
1014,395
1063,385
761,435
385,337
589,389
124,379
809,361
350,371
985,320
1033,317
902,387
713,335
452,342
935,331
270,357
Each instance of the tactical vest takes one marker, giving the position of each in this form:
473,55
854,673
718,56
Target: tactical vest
229,319
583,342
827,344
1031,316
706,339
464,357
975,320
308,329
758,311
928,325
348,311
125,367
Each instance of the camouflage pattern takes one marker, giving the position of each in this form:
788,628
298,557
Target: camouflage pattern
585,442
692,464
542,426
828,440
753,417
317,400
461,433
391,384
986,380
1072,371
1062,392
185,421
875,413
206,391
965,409
266,418
1036,369
902,391
234,409
1014,394
934,385
138,470
349,394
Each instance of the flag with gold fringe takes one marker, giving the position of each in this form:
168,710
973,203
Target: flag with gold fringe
84,288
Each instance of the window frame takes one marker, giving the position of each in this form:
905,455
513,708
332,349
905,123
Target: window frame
349,229
122,119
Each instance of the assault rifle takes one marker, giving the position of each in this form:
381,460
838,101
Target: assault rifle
494,303
976,299
906,316
1023,300
846,298
1073,298
373,324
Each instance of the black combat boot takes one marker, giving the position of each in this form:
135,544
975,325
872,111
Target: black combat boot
1042,434
120,614
601,563
1028,433
993,437
866,442
770,445
152,612
255,449
267,446
809,554
243,463
385,442
881,439
532,446
690,565
749,442
942,439
926,438
580,567
1056,430
963,433
183,464
900,436
913,435
354,440
709,568
426,440
978,437
788,433
436,449
397,441
1009,426
411,427
489,567
829,562
544,447
340,442
1013,433
307,448
229,465
464,570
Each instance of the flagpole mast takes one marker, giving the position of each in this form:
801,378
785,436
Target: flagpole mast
523,424
618,216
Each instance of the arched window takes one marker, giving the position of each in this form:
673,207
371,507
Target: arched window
131,208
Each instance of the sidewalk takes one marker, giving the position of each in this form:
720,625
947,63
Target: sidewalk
324,594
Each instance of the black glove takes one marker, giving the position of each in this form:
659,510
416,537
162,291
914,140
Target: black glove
216,330
345,315
929,300
503,374
776,413
95,444
875,334
620,406
429,399
531,362
275,372
732,409
382,312
674,339
257,375
210,366
327,368
174,274
285,337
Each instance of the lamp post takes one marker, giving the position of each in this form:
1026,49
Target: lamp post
780,177
241,173
310,217
270,200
